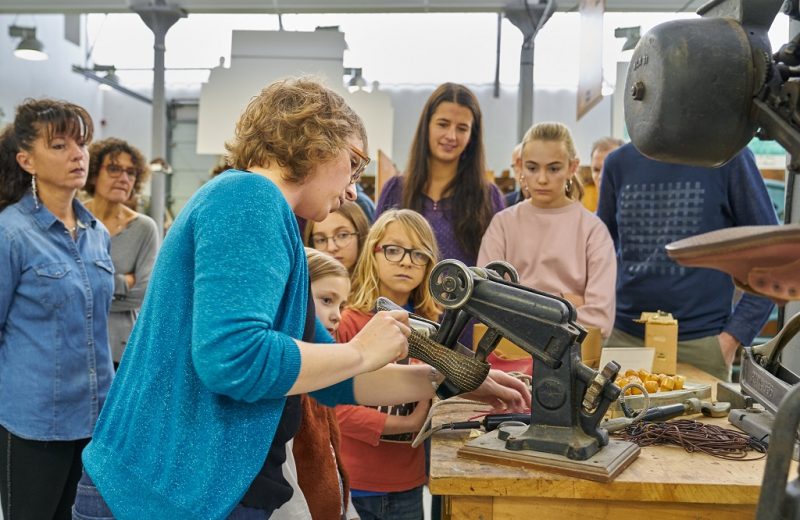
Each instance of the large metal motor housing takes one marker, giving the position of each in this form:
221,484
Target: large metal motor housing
689,91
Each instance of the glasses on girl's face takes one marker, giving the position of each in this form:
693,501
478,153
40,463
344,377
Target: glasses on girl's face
115,170
340,239
396,254
357,164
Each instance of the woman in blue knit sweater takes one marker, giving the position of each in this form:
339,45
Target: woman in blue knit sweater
199,420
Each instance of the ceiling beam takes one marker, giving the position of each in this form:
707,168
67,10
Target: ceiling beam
332,6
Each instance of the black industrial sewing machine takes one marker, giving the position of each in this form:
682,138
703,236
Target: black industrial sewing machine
569,399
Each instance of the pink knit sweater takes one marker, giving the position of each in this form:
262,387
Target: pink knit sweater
562,250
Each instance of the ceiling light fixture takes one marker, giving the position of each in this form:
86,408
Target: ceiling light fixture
29,48
356,82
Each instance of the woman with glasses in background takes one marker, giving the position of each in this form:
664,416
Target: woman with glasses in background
341,234
116,173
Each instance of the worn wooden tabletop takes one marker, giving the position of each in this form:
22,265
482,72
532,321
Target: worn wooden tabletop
691,482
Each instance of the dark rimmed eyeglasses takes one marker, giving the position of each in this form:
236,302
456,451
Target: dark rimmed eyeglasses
358,164
340,239
115,170
395,254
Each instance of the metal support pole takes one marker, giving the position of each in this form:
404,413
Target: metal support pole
529,19
159,17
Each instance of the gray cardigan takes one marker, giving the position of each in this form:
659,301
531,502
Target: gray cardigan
133,250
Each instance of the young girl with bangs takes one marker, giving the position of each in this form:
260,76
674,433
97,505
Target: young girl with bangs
399,254
320,472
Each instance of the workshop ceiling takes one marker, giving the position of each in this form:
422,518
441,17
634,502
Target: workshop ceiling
331,6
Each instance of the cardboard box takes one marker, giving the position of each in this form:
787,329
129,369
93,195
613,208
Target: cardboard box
661,333
590,348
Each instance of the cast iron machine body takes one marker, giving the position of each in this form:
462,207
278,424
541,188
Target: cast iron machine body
569,399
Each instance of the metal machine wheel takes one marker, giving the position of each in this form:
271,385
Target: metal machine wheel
451,284
504,269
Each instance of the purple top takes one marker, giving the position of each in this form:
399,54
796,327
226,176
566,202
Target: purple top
438,216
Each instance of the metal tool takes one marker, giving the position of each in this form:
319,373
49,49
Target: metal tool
656,414
766,381
569,398
715,409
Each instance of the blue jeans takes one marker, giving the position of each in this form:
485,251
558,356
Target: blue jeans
401,505
89,505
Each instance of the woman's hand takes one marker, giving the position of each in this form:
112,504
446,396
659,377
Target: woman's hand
503,392
130,280
382,340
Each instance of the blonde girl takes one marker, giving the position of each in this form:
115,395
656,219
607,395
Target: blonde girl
386,473
320,473
556,244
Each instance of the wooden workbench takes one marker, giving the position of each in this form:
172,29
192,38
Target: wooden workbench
665,482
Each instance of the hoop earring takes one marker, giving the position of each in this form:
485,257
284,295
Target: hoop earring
568,187
34,190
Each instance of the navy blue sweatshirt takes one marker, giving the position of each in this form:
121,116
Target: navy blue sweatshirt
647,204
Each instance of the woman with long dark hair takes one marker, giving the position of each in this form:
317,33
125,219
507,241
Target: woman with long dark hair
445,179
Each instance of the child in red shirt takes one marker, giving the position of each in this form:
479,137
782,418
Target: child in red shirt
386,473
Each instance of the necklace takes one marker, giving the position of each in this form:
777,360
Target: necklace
120,222
113,223
73,231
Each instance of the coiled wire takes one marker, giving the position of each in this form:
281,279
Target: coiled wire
692,436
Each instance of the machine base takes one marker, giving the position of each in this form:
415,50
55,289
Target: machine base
604,466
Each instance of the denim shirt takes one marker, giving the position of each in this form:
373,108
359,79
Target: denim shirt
55,295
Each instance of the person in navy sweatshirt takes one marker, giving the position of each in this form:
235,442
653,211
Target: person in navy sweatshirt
647,204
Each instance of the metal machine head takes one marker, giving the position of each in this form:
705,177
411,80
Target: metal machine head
696,88
569,399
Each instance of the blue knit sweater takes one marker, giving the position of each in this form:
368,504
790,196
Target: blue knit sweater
647,204
194,407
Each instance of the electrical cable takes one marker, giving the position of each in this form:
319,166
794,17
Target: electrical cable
693,436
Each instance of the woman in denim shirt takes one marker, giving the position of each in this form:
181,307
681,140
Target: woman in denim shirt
55,293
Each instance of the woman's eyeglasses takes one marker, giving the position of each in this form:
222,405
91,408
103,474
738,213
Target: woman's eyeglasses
115,170
396,254
340,239
358,164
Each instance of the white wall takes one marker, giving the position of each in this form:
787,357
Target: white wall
260,57
114,114
126,118
20,79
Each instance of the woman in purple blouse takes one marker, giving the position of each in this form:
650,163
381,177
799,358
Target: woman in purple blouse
445,180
